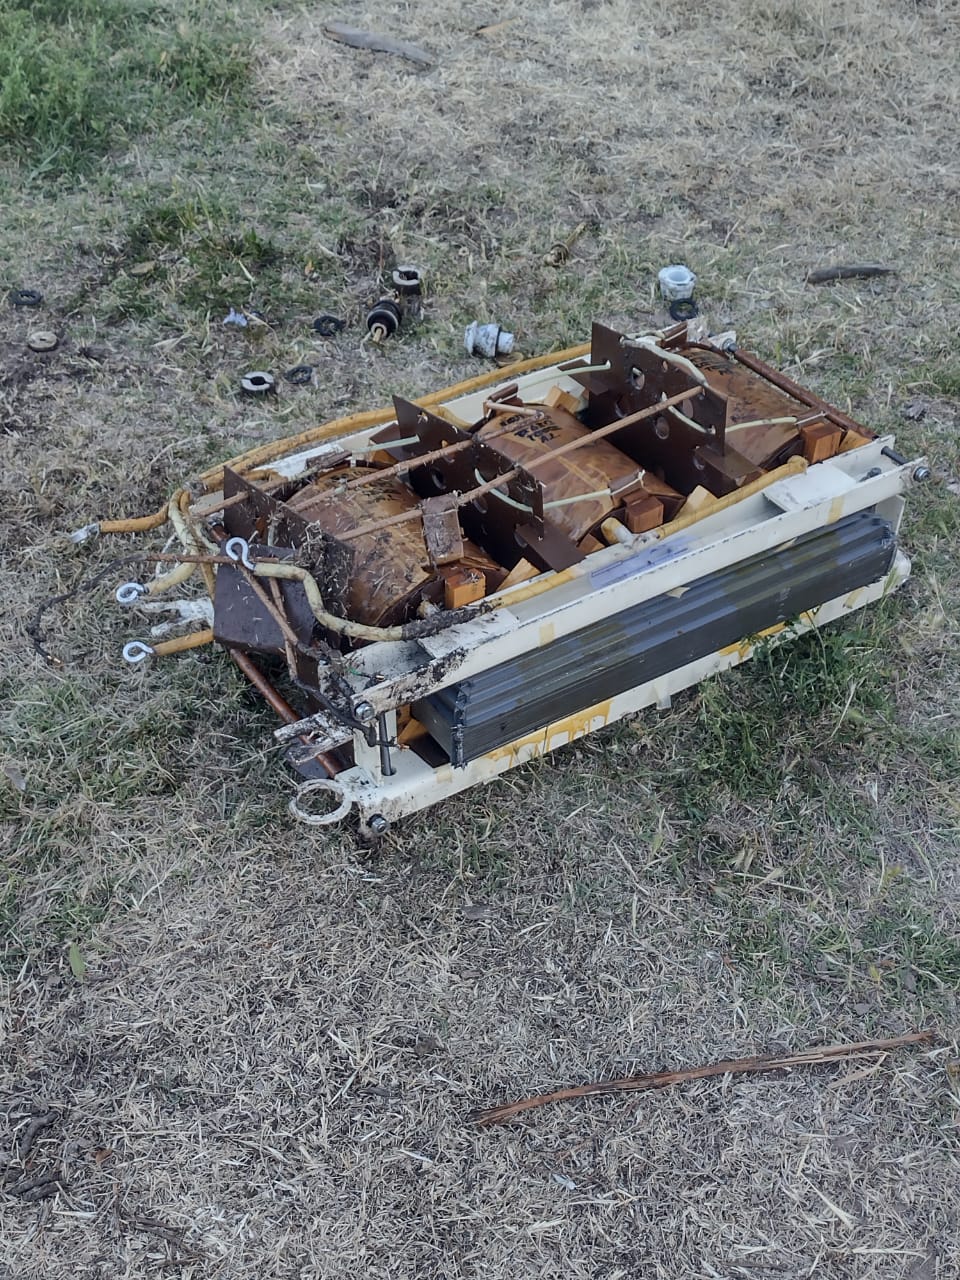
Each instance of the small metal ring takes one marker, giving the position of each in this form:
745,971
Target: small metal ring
258,382
25,297
320,819
137,651
300,375
42,340
130,592
327,326
683,309
238,549
407,280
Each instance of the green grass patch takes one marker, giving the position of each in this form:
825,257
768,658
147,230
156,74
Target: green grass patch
191,253
81,78
903,944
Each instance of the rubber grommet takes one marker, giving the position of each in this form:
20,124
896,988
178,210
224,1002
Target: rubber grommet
300,374
25,297
327,325
683,309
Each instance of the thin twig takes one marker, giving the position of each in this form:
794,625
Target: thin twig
862,270
663,1079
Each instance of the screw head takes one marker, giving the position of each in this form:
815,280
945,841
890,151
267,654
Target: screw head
378,824
364,712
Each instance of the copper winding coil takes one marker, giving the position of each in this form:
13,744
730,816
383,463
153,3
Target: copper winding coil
392,572
589,469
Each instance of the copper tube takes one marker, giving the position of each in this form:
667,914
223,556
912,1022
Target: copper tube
194,640
280,705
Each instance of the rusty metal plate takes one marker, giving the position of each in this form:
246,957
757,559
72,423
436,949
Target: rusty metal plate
489,521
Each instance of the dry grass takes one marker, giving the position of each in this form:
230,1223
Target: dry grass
260,1059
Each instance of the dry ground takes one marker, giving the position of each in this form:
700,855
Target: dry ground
256,1045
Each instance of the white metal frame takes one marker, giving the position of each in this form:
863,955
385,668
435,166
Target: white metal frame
387,676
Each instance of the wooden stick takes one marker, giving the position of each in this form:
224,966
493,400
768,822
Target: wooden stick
862,270
663,1079
376,42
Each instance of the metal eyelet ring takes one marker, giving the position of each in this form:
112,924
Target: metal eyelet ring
320,819
130,592
300,375
137,651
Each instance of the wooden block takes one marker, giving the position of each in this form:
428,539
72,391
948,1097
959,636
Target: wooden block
557,398
441,529
410,732
522,571
853,440
697,500
463,586
821,440
642,512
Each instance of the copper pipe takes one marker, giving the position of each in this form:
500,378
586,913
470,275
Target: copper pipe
280,705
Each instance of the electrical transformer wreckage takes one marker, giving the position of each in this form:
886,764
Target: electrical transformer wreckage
431,594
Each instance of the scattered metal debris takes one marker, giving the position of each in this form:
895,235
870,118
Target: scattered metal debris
864,271
487,340
683,309
42,340
677,284
25,297
375,42
300,375
258,382
327,326
383,319
494,28
816,1056
559,251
